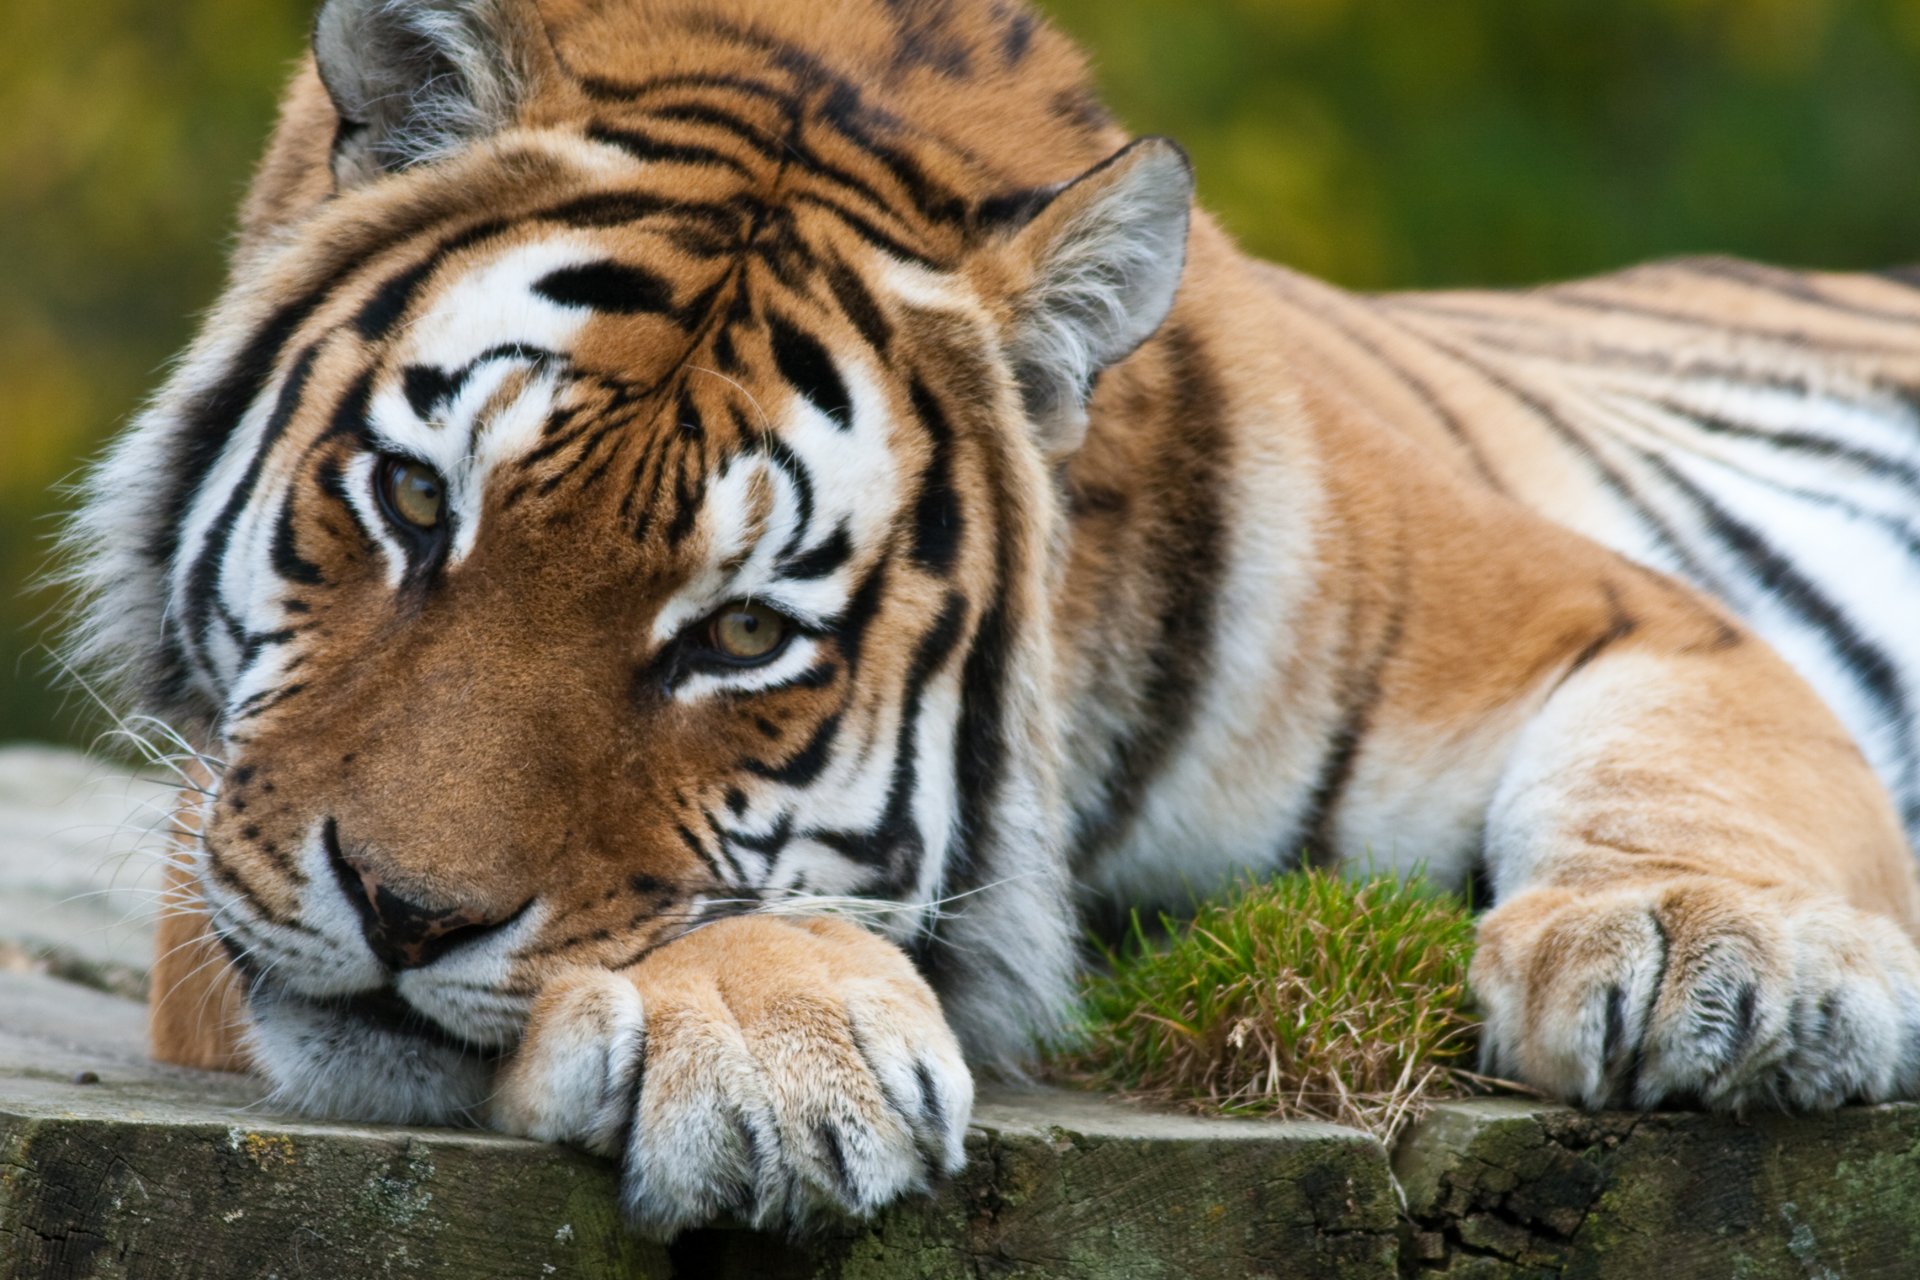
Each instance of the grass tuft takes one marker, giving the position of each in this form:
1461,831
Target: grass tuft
1305,996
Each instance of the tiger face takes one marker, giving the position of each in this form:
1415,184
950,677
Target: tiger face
639,516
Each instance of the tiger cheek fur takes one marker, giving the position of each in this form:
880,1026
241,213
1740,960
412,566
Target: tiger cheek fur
667,469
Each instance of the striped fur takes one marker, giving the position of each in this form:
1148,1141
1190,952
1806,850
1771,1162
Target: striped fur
1600,594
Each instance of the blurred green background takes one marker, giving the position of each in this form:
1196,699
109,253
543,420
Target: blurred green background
1379,143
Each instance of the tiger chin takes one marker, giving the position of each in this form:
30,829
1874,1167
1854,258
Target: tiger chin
701,532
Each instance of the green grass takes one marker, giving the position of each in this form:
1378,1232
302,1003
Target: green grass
1306,996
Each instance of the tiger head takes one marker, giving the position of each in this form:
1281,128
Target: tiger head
620,485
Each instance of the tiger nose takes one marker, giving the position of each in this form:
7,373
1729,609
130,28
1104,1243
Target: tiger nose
402,934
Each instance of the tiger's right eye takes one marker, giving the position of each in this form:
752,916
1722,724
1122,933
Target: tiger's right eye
412,493
748,634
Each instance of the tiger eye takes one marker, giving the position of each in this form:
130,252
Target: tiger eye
748,632
415,493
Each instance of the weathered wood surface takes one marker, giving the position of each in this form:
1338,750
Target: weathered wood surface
154,1172
1504,1188
79,859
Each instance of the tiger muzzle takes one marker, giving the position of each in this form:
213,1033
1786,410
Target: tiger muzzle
403,934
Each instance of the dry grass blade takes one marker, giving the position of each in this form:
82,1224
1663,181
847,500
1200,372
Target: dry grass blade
1307,996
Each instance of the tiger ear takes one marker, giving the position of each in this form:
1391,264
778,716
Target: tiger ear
414,80
1100,263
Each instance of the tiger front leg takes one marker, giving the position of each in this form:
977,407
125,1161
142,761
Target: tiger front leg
1702,897
761,1067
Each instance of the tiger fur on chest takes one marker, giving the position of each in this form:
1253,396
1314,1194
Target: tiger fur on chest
702,532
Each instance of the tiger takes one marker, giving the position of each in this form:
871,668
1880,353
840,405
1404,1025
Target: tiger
704,539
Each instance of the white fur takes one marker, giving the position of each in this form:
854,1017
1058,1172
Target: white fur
323,1063
467,991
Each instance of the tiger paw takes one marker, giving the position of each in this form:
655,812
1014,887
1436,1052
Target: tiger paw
766,1068
1699,993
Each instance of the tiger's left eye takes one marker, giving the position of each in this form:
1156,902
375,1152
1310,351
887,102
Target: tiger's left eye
748,633
413,492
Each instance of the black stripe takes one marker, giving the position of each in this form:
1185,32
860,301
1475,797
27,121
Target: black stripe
1017,41
821,675
640,503
1796,441
563,428
858,304
203,577
265,701
617,287
331,479
1562,296
896,838
1316,842
349,418
689,488
743,131
866,230
924,44
767,846
602,435
390,301
980,749
1620,625
1629,1088
820,170
844,111
688,419
937,524
426,389
823,561
287,560
1898,530
805,364
804,766
212,423
258,642
1012,209
609,209
655,151
720,219
782,456
850,628
1079,108
451,385
1688,365
713,868
611,90
980,738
